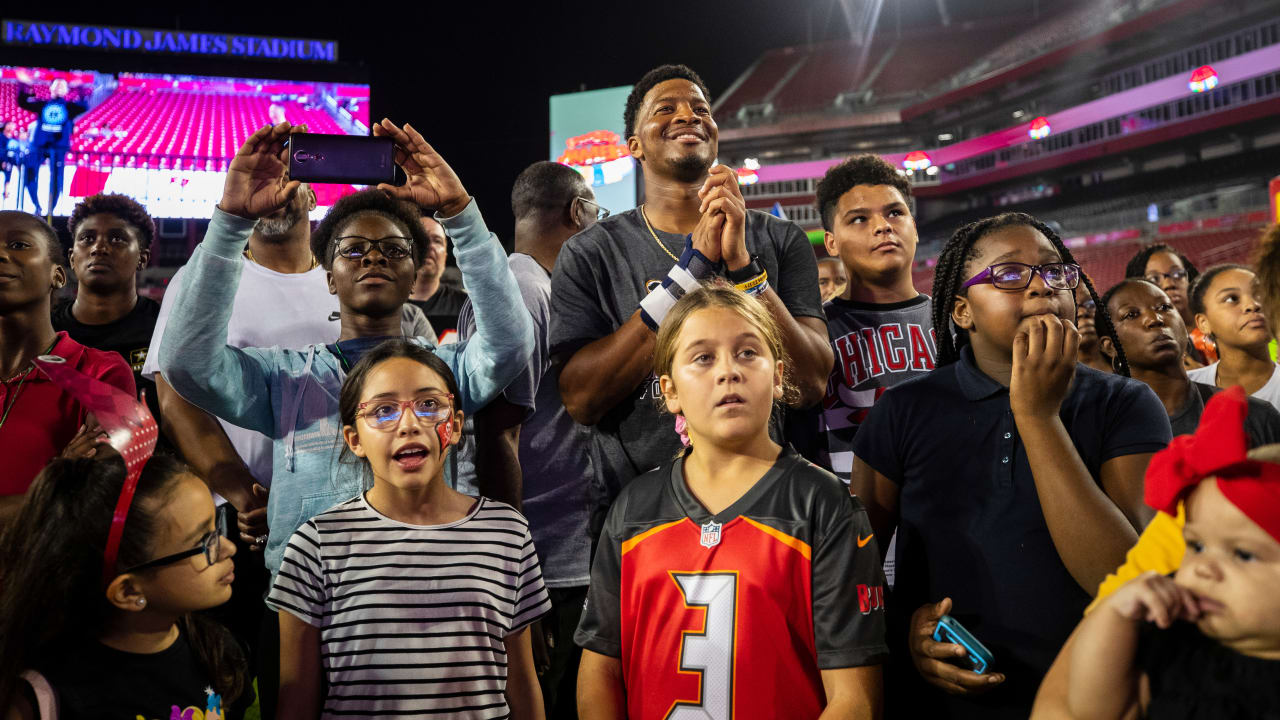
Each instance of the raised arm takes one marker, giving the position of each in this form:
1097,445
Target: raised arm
805,338
490,359
1089,530
194,356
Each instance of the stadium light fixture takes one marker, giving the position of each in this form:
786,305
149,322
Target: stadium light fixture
1203,78
1018,113
946,137
917,160
932,170
1039,128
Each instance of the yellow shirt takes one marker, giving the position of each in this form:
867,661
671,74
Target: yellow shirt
1159,548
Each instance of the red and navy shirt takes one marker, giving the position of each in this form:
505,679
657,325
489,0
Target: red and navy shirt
737,611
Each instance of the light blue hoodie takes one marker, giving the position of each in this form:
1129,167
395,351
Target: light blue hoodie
292,395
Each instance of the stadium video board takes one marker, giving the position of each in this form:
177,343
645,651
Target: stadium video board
163,139
586,135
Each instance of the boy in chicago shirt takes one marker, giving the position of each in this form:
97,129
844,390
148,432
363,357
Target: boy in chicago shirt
880,326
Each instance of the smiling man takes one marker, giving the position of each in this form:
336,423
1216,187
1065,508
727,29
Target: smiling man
614,281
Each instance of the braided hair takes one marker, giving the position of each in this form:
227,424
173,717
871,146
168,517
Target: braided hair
949,275
1137,265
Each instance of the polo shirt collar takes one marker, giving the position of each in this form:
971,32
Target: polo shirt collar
65,348
974,383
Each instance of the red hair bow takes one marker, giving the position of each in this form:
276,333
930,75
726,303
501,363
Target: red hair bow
1219,448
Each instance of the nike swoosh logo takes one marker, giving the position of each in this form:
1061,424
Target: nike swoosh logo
862,542
335,316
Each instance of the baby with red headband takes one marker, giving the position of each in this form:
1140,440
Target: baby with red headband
1204,643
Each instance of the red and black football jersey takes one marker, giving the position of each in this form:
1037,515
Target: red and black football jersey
733,615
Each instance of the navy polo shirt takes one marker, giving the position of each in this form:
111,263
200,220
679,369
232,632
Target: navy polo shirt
971,527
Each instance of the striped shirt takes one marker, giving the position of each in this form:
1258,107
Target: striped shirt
412,618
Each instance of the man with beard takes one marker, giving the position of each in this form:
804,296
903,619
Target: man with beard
111,239
440,303
614,281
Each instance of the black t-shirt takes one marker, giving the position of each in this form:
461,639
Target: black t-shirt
603,273
93,682
130,336
1261,424
971,526
1194,677
442,309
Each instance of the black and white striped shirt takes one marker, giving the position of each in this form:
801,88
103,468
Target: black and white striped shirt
412,618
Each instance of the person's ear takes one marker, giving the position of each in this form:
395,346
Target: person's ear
636,149
573,216
1202,323
351,437
328,276
669,394
125,593
778,374
455,434
58,277
829,242
1107,347
962,313
144,257
311,199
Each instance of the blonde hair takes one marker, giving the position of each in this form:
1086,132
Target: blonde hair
1266,263
719,294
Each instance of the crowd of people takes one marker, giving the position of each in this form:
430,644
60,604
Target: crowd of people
660,463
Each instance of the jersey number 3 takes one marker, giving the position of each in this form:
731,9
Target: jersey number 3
709,653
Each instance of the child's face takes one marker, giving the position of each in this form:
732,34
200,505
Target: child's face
873,232
723,378
1233,567
409,452
1233,310
992,315
186,517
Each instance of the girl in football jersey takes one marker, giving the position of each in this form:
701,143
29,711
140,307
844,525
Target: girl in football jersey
129,645
735,550
411,598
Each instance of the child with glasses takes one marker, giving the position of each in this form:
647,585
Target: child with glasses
411,598
118,639
1013,473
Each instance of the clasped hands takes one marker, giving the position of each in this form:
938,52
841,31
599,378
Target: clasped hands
721,232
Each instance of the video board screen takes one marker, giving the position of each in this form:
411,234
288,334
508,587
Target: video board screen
586,135
165,140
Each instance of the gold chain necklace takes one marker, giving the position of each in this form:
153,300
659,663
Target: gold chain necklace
645,215
249,254
22,375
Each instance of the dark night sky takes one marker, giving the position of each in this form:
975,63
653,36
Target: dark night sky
475,77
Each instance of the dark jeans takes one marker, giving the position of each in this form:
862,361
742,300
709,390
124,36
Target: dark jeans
560,682
57,163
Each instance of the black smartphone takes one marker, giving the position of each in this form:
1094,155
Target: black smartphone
353,159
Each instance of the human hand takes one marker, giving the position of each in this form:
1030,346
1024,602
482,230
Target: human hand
256,183
1044,361
1152,597
253,522
934,660
720,194
431,184
90,441
706,235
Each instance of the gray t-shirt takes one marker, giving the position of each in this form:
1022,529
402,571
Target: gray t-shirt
600,277
554,457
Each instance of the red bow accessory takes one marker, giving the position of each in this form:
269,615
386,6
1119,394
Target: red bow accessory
1218,449
130,427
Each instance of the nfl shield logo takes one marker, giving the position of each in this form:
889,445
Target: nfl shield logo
710,534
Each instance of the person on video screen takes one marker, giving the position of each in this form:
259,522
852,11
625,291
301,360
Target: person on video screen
55,120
